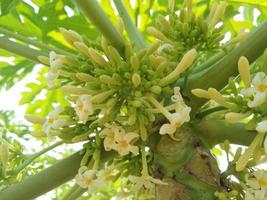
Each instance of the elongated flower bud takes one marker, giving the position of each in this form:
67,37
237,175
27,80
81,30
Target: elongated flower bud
99,98
44,60
243,160
153,47
171,4
200,93
120,26
82,48
233,117
85,77
216,96
34,119
97,57
243,68
114,54
217,15
75,90
157,34
135,62
70,36
186,61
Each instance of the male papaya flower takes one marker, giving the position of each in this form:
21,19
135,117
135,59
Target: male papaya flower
84,108
109,134
56,62
88,179
123,143
255,194
117,139
53,121
257,180
258,90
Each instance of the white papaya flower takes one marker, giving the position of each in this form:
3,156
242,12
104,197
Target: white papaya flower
84,108
257,180
109,133
258,90
262,126
53,120
88,179
255,194
123,143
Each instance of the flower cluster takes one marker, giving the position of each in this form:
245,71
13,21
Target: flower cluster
257,185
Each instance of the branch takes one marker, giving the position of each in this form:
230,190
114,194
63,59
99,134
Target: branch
97,16
217,76
20,49
131,29
44,181
217,131
49,178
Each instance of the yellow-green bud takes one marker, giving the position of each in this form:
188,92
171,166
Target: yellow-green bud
85,77
44,60
34,119
96,57
4,153
243,68
157,34
99,98
136,79
135,62
82,48
156,89
70,36
75,90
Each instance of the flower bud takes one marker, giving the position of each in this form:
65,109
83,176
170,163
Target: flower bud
233,117
136,79
135,62
156,89
99,98
85,77
34,119
200,93
70,36
243,68
44,60
75,90
157,34
81,47
4,153
216,96
114,54
96,57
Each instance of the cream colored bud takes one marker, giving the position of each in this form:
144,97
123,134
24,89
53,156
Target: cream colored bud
213,10
70,36
104,44
157,34
136,79
218,14
242,35
34,119
75,90
135,62
99,98
243,68
184,64
114,54
233,117
97,57
81,47
153,47
200,93
44,60
85,77
216,96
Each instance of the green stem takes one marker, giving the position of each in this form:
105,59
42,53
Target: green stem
49,178
20,49
36,155
26,40
44,181
214,59
72,190
97,16
217,131
217,76
131,29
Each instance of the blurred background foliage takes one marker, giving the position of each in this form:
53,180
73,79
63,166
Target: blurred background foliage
39,20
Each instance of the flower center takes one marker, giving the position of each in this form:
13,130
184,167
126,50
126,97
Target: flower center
50,120
178,124
88,182
123,143
263,182
262,87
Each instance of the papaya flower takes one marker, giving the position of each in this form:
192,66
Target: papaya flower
84,108
178,118
262,128
255,194
53,120
56,62
258,180
258,90
109,135
123,143
88,179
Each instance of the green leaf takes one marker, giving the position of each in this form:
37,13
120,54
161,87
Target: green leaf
7,5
